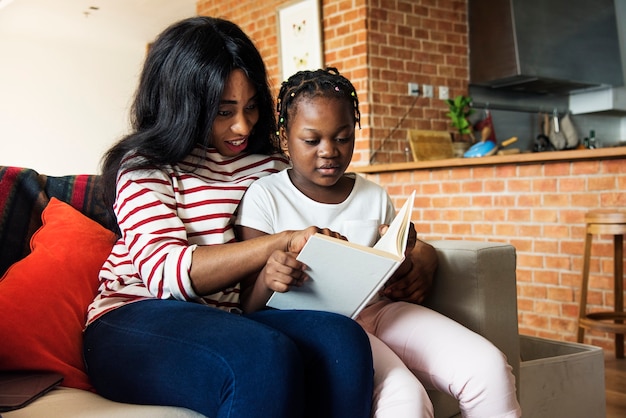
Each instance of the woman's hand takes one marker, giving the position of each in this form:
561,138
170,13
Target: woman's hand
299,238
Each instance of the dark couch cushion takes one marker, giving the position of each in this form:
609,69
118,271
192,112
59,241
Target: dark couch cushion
24,194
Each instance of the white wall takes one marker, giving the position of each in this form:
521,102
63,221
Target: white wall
62,106
65,100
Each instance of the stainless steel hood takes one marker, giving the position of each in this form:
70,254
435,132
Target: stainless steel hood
544,46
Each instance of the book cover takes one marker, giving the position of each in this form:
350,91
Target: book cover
345,276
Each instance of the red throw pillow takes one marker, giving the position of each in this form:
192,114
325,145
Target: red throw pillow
44,296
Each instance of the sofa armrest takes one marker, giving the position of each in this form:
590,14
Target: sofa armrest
475,285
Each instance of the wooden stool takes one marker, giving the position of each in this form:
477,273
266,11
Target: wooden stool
607,222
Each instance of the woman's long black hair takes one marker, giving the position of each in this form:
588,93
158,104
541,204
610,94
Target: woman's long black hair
179,93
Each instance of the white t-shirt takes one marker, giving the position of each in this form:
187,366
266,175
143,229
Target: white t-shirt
273,204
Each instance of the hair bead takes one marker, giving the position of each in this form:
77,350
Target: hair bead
323,82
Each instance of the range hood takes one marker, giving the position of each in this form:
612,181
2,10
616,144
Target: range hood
544,46
610,101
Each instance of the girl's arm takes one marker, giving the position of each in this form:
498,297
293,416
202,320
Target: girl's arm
280,271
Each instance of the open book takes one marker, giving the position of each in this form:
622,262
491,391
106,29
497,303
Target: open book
345,276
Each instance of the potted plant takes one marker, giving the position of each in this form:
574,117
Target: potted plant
463,138
460,110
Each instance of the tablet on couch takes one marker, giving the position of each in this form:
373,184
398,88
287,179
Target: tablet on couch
19,388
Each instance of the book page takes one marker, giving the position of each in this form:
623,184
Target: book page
364,248
394,240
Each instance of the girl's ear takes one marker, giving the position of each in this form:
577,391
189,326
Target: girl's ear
282,136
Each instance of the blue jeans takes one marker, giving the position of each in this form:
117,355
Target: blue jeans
269,364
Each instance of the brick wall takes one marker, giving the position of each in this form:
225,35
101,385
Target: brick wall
538,208
381,46
425,42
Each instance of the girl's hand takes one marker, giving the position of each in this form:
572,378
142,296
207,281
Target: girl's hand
282,271
413,279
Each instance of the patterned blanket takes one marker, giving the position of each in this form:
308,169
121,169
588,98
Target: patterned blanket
24,194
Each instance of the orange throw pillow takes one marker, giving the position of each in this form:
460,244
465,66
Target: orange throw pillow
44,296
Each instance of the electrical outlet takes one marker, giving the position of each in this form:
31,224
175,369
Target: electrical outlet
413,89
428,90
444,93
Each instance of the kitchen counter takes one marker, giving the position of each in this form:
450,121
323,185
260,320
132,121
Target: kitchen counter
524,158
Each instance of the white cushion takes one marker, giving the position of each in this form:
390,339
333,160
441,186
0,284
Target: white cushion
75,403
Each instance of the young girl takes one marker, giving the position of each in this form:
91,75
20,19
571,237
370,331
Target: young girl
164,328
413,347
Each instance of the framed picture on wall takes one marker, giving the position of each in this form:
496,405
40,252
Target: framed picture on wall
299,37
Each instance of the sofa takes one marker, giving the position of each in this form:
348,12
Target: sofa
53,240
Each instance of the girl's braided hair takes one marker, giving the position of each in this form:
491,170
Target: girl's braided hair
319,83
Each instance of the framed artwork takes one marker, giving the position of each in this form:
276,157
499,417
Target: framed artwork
300,37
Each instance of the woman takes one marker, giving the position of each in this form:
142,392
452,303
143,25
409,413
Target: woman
165,327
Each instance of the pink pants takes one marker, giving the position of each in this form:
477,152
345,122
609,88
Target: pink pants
416,348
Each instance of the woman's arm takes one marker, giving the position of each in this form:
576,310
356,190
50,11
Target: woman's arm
219,266
149,216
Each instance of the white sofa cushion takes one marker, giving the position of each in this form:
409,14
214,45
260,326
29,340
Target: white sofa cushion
76,403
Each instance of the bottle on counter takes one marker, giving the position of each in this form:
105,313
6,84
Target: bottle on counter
592,140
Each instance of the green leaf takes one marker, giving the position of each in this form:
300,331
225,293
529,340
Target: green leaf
460,109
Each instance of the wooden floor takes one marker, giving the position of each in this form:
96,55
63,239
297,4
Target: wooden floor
615,383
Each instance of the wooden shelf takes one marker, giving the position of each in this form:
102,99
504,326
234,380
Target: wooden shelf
525,158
